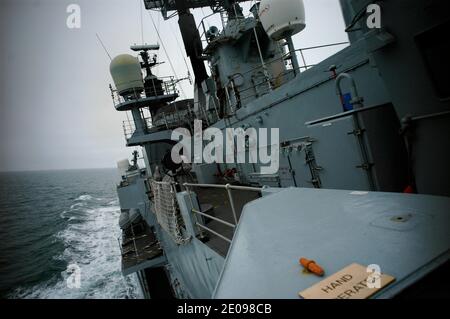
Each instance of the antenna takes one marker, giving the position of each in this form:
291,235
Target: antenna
167,55
104,48
145,47
142,20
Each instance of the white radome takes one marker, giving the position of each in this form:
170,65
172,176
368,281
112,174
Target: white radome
282,18
125,70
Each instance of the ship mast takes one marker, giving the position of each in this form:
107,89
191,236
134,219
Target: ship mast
188,28
134,93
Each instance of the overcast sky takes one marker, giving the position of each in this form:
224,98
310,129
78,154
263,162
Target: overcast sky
55,107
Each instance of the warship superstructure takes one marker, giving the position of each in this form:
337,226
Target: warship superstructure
364,174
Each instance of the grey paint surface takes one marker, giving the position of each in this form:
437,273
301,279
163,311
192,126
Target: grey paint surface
411,83
312,96
133,195
335,228
196,266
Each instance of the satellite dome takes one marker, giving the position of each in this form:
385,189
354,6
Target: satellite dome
282,18
126,73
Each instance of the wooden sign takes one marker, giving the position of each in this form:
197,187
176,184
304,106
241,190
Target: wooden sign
349,283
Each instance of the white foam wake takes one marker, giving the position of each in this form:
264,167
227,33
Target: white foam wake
91,243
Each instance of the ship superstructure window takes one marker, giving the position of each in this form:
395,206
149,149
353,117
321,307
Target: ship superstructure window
435,50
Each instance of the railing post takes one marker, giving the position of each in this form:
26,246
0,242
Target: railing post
263,64
134,242
229,189
204,30
192,207
303,59
233,209
165,120
120,246
294,60
154,86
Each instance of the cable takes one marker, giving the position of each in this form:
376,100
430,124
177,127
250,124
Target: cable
179,47
104,48
167,55
142,20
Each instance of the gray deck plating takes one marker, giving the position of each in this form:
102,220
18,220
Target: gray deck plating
406,235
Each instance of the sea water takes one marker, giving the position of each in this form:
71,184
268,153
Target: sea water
50,220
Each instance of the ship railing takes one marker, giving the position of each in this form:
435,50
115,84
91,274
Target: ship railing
209,116
197,111
228,188
185,118
128,129
299,53
267,83
169,87
120,242
203,29
173,120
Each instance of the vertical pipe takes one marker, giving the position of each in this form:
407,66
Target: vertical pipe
120,246
233,209
138,121
134,242
294,60
266,73
200,230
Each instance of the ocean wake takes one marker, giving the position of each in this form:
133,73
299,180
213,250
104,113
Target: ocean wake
90,240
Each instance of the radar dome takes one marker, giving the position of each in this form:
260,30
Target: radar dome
126,73
282,18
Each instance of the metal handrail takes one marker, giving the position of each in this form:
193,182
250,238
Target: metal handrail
301,50
268,80
174,119
169,87
213,232
224,20
214,218
228,188
170,120
120,245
